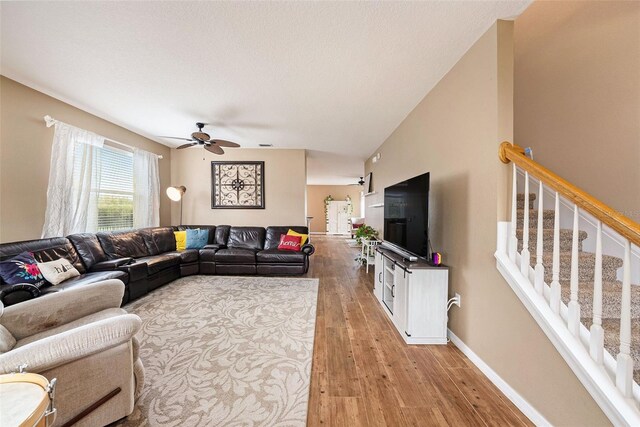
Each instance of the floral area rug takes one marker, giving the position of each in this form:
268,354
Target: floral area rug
226,351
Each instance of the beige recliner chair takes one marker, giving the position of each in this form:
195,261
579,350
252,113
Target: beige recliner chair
83,338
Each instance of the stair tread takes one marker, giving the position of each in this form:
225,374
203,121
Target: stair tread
520,200
533,213
612,342
520,196
548,233
611,298
582,256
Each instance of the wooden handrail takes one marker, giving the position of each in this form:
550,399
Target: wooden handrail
626,227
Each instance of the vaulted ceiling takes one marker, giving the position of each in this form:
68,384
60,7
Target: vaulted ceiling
332,77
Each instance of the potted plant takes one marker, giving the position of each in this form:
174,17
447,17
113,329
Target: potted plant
366,232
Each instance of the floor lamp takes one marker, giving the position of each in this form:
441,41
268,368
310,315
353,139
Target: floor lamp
176,194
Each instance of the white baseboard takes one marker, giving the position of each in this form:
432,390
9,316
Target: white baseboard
521,403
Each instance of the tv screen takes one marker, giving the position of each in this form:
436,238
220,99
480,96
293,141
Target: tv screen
406,215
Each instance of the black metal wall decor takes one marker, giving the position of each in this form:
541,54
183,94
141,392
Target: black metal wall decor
237,185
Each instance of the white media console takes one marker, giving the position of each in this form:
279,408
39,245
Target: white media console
414,295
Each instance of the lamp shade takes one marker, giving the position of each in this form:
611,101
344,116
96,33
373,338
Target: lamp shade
175,193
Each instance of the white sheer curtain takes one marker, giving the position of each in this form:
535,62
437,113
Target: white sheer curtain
72,192
146,189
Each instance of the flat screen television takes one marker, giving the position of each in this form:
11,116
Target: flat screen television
406,215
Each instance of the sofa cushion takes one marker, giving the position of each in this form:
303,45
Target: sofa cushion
87,279
44,250
272,238
159,239
304,237
208,254
235,256
221,236
157,263
88,247
187,256
246,238
289,243
23,268
210,228
124,244
197,238
94,317
7,341
275,256
57,271
181,240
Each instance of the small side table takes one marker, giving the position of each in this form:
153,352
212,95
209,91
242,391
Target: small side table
26,400
368,253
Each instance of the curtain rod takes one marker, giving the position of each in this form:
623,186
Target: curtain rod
51,121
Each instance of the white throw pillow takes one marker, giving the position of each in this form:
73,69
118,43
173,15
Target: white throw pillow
56,272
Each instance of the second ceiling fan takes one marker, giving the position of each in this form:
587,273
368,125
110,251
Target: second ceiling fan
202,138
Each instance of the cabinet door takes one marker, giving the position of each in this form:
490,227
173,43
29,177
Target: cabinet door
400,299
332,218
378,278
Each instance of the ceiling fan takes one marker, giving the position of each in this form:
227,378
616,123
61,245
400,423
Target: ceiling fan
360,182
202,138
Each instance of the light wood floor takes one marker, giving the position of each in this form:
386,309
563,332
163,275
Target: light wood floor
364,374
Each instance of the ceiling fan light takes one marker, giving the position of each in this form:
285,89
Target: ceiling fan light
175,193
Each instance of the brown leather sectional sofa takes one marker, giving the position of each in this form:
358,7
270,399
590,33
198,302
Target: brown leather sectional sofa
145,259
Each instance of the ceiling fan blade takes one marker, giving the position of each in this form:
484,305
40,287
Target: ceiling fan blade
223,143
175,137
187,145
214,149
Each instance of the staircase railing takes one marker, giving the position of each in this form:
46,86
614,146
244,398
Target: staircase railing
610,381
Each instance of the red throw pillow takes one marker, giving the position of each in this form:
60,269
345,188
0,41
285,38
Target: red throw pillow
289,243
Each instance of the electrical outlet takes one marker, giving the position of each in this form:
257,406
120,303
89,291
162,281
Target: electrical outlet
457,296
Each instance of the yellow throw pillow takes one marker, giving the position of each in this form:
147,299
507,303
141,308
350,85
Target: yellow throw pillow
303,237
181,240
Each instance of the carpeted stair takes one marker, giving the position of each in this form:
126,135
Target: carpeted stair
611,287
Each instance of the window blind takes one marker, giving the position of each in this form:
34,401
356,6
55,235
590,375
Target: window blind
115,186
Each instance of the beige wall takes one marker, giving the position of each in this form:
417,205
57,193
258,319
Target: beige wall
577,95
454,133
315,202
25,154
285,187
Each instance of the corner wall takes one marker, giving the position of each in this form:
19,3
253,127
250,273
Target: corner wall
25,147
285,187
454,134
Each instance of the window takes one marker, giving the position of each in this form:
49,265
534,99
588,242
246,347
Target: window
113,178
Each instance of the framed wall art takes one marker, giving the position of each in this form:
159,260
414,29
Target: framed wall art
237,185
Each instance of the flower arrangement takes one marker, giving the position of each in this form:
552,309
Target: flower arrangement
326,208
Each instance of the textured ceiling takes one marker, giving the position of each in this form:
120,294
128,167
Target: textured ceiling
333,77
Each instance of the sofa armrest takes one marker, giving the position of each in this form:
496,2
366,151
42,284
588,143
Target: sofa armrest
58,308
71,345
136,270
13,294
111,264
308,249
215,246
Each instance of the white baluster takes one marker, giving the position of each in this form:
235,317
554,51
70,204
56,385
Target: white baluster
554,301
573,319
513,238
624,370
539,270
596,345
525,257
